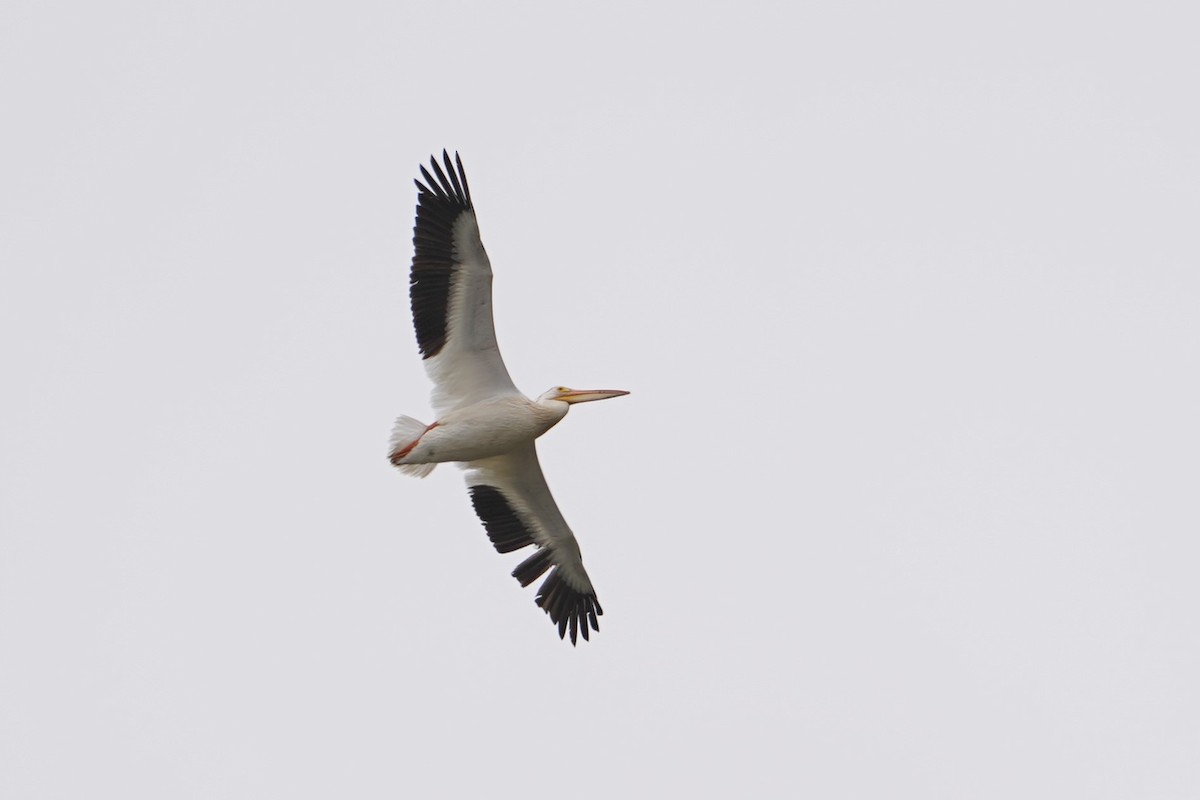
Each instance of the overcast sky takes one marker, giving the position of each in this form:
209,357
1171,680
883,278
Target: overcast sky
903,503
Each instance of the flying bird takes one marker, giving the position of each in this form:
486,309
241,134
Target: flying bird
483,423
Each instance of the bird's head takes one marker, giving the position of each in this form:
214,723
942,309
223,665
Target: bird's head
564,395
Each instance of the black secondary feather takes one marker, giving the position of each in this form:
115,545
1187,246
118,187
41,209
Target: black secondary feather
503,526
533,567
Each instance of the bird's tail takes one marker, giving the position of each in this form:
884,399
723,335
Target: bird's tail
405,435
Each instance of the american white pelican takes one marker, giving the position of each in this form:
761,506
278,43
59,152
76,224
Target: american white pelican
483,422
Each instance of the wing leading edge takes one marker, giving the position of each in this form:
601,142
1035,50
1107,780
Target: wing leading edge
450,289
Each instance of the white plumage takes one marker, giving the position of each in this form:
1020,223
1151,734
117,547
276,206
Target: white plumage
483,422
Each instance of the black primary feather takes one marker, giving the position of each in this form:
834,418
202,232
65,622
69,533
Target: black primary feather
571,610
440,203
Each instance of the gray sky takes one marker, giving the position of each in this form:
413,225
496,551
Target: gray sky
903,503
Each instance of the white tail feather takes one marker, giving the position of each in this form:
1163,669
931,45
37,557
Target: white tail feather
417,470
405,433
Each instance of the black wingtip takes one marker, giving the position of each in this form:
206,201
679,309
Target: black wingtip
569,609
450,183
462,176
441,200
458,189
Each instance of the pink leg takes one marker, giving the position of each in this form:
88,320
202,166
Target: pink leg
399,455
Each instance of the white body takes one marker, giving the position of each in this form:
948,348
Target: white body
485,429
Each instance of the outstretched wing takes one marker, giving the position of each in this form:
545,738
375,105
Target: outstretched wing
512,499
451,292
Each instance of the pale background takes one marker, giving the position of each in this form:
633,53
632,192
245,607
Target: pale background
903,502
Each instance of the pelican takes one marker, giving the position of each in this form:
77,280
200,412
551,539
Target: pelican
483,423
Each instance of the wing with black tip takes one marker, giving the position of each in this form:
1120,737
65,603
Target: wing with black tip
512,499
450,288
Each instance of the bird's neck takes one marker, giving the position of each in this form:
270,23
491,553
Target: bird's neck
550,411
